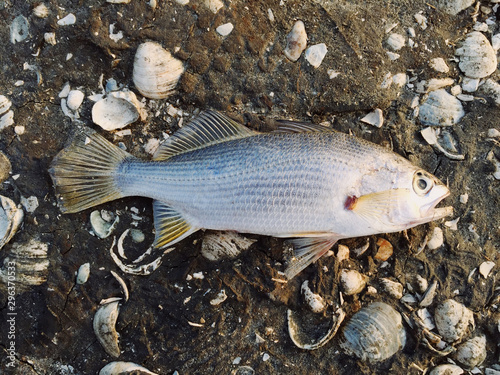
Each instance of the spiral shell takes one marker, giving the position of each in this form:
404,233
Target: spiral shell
156,72
374,333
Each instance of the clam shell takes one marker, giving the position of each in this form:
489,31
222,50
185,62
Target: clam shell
219,245
124,368
453,320
104,327
454,7
11,218
113,113
440,109
5,104
447,369
83,274
102,227
477,57
156,72
374,333
352,281
472,352
296,41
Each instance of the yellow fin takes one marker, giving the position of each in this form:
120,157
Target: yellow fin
375,205
170,225
209,128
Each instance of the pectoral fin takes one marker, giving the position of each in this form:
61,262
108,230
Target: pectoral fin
171,227
307,251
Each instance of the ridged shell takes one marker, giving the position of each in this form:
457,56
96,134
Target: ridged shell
452,320
472,352
477,57
11,218
374,333
114,113
440,109
156,72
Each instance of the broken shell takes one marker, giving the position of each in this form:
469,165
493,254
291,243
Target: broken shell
104,328
454,7
122,284
452,320
439,65
75,99
315,54
134,268
113,113
440,109
477,57
430,136
225,29
472,352
315,301
83,274
396,41
485,268
31,264
103,223
124,368
156,72
374,333
5,104
41,11
221,297
219,245
375,118
429,294
19,29
11,217
214,5
7,120
303,339
393,288
296,41
436,239
385,249
5,167
243,370
447,369
69,19
491,89
352,281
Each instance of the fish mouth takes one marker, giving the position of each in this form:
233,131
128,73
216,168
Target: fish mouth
429,212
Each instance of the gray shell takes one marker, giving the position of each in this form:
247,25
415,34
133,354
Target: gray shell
374,333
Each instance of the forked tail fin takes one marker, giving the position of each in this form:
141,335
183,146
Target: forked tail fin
84,173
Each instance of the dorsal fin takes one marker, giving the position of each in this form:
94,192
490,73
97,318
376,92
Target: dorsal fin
285,126
209,128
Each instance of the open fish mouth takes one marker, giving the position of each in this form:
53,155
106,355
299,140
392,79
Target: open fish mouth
429,212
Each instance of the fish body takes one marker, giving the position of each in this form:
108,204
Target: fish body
302,182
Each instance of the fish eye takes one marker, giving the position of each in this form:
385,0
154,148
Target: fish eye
422,183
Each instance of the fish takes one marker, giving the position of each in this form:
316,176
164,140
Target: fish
304,182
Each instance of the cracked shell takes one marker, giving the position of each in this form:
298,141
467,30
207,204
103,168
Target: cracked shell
452,320
477,57
440,109
374,333
156,72
104,327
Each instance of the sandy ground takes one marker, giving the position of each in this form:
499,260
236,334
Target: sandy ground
246,76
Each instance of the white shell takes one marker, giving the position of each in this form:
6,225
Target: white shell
214,5
315,301
83,274
41,11
436,239
156,72
5,104
118,1
486,267
375,118
50,38
454,7
122,284
352,281
103,223
491,89
477,57
124,368
315,54
225,29
70,19
31,264
19,29
396,41
113,113
439,65
296,41
374,333
440,109
447,369
393,288
453,320
134,268
11,218
75,99
5,169
104,328
219,245
472,352
221,297
7,120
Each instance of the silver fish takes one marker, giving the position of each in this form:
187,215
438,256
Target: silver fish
302,181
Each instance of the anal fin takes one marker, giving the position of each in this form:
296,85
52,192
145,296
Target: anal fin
306,251
171,227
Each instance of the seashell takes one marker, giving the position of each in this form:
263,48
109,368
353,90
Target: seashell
83,274
19,29
342,253
243,370
214,5
114,113
5,167
485,268
50,38
421,20
104,327
472,352
384,250
219,245
315,54
221,297
447,369
454,7
303,339
429,294
470,84
124,368
31,265
453,320
440,109
225,29
11,218
374,333
70,19
491,89
122,284
375,118
436,240
439,65
156,72
352,281
5,104
103,223
396,41
296,41
75,99
134,268
315,301
393,288
431,136
41,11
7,120
477,57
433,84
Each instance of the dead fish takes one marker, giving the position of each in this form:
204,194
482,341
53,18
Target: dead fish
302,181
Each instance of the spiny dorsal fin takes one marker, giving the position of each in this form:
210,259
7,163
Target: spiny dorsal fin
285,126
209,128
170,225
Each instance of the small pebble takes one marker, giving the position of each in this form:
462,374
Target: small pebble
464,198
385,249
296,41
225,29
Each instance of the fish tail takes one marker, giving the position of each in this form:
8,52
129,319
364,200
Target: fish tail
84,173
